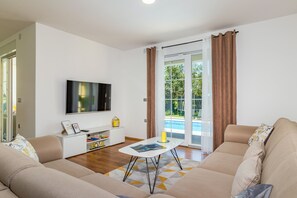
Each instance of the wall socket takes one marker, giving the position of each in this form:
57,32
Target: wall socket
144,120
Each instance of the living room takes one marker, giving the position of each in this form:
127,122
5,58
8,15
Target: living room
54,44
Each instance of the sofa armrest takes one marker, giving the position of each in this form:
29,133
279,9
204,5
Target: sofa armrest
48,148
238,133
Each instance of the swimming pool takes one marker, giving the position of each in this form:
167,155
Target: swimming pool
176,129
180,125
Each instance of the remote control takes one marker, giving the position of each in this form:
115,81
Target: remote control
84,130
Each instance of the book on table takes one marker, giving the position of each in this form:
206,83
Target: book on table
147,147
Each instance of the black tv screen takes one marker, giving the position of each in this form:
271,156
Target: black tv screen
87,97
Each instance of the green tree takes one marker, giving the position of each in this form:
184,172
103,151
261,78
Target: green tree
175,89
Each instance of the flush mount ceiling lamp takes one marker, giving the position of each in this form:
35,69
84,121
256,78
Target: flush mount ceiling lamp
148,1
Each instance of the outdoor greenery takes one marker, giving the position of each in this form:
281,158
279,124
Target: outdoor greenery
174,89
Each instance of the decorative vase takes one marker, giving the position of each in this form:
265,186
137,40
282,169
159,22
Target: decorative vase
163,136
115,122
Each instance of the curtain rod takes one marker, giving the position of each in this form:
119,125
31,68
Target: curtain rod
168,46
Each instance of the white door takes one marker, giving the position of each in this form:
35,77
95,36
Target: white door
183,97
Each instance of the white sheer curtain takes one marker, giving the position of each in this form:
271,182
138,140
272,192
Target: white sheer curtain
207,118
160,91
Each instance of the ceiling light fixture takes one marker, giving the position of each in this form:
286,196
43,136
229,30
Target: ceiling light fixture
148,1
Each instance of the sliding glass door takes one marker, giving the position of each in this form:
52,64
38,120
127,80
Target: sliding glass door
175,98
196,73
8,98
183,97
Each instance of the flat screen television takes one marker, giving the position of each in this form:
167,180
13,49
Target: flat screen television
87,97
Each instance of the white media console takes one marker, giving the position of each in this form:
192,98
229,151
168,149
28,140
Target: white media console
94,139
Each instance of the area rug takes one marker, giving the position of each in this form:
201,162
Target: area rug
169,173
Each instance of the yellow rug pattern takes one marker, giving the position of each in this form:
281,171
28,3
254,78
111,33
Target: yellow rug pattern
169,173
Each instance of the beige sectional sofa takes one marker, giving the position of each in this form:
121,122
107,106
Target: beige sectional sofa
21,176
54,177
214,177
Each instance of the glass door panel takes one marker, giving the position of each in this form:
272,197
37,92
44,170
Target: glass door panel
8,98
196,98
175,99
4,99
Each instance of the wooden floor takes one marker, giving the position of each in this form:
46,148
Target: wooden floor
108,159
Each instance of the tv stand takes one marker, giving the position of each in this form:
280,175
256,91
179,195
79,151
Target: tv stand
96,138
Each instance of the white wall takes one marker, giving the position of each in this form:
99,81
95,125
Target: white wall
61,56
25,50
26,81
266,74
267,68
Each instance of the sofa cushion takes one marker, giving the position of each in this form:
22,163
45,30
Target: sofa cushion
201,183
286,138
261,134
283,150
282,128
222,162
22,145
283,178
257,191
7,194
12,162
280,163
2,187
247,175
44,182
255,149
69,167
113,186
233,148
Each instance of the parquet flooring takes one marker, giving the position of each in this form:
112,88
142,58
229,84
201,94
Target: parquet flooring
109,158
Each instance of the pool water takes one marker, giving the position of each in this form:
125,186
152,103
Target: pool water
176,129
180,125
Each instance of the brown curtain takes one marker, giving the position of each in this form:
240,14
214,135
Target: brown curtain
224,84
151,63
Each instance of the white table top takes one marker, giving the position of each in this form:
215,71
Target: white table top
173,143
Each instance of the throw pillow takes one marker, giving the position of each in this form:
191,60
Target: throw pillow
255,149
248,174
257,191
261,134
21,144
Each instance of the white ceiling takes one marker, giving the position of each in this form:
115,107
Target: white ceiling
128,24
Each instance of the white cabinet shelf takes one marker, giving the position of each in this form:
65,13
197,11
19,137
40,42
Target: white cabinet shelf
77,143
100,140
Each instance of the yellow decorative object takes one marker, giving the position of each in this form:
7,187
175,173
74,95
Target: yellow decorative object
164,136
115,122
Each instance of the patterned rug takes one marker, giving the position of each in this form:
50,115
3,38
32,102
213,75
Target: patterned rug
169,173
